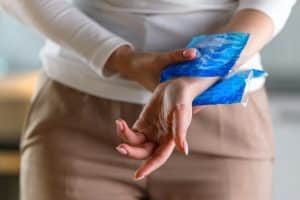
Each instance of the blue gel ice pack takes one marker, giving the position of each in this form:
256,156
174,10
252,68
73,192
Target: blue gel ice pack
229,90
216,55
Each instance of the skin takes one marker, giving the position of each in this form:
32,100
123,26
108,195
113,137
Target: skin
164,121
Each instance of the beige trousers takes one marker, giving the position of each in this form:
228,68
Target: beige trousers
68,152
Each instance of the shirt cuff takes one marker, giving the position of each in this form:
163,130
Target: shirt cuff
102,54
277,10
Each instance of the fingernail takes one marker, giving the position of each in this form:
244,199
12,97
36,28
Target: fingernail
119,126
185,53
188,53
137,178
179,145
186,148
122,150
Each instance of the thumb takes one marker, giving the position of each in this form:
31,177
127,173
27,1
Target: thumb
182,117
179,56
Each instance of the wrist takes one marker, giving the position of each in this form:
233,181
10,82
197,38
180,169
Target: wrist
120,59
197,85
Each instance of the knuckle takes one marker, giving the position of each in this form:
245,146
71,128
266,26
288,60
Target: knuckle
140,136
180,106
177,55
148,145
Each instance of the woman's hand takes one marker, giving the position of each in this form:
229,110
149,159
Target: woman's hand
145,67
162,124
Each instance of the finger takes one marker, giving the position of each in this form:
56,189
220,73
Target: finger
129,136
197,109
181,120
136,152
179,56
159,157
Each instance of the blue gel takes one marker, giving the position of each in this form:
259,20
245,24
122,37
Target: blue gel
229,90
216,55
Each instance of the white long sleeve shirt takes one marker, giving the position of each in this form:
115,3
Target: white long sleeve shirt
82,34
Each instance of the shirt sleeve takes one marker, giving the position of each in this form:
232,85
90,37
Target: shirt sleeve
66,25
277,10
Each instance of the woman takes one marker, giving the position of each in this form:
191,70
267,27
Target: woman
99,64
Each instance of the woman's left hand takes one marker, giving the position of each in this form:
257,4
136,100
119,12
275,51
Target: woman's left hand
162,124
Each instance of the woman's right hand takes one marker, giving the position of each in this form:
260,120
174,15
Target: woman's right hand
163,122
145,67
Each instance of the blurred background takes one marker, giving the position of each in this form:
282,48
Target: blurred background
19,66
